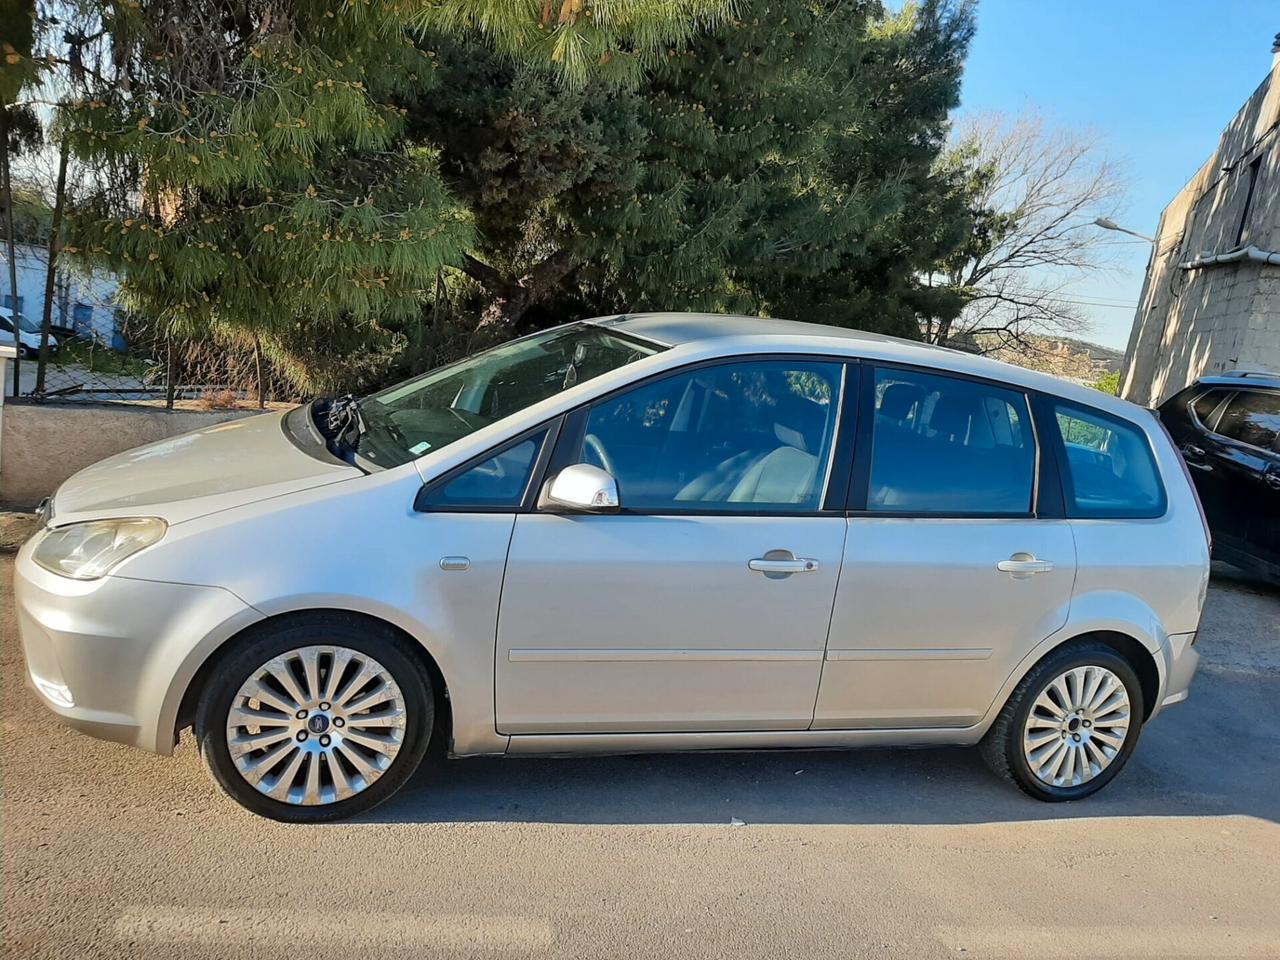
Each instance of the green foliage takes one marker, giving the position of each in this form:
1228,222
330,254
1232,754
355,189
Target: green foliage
258,176
782,163
1108,383
277,192
612,41
17,33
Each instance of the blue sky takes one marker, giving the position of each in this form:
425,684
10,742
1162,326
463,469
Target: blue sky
1158,80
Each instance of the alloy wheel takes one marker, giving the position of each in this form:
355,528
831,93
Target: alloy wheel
1077,726
316,725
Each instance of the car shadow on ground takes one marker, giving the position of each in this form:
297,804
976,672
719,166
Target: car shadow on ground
1218,754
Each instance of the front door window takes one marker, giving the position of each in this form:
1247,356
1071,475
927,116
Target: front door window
733,437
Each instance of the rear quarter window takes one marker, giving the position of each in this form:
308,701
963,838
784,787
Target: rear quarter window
1108,467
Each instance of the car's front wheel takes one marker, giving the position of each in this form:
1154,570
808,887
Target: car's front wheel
1070,726
315,718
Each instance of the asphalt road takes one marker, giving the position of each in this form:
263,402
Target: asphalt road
108,852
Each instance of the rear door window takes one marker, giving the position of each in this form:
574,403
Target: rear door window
946,446
1252,417
1109,468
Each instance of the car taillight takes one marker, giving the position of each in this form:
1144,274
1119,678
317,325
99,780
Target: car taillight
1204,520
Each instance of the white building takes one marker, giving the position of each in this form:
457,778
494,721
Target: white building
84,302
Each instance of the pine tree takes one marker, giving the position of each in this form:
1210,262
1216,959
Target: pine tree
258,180
782,162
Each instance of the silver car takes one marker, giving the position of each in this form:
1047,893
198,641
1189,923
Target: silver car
644,533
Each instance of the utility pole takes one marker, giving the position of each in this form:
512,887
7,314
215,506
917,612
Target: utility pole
51,269
6,189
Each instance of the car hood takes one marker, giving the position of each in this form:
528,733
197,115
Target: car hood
188,476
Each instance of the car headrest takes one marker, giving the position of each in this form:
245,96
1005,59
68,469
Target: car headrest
898,399
798,422
953,415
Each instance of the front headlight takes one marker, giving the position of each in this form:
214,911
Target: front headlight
87,551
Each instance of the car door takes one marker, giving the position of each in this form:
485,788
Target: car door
1190,417
703,603
1248,435
956,562
1215,466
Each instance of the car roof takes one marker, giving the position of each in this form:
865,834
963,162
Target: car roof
1242,381
753,334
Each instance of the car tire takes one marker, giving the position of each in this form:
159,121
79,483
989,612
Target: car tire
1024,751
330,773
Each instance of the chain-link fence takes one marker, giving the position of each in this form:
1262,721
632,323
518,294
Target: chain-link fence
155,371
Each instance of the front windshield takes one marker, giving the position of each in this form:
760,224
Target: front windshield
28,324
444,405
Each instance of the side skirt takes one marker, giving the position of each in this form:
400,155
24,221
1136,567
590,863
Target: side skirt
580,743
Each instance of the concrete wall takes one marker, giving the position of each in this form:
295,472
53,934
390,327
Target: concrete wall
1194,322
43,444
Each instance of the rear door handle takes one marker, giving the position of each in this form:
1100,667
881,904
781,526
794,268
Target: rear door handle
1191,450
1023,565
1272,478
793,565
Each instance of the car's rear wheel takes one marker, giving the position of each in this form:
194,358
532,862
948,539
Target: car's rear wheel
315,718
1070,725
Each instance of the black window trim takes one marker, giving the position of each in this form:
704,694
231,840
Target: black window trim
1046,493
575,422
528,496
1064,471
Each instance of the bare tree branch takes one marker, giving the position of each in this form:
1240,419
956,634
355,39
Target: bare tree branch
1034,194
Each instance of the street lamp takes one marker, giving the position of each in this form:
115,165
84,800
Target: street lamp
1108,224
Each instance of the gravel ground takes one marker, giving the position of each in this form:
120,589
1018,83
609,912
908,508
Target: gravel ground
109,852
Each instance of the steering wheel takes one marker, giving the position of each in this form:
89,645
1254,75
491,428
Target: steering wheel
591,445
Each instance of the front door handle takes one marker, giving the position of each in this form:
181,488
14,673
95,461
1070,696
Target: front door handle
782,565
1272,478
1191,450
1023,565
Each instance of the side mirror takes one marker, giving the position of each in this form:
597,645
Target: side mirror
582,488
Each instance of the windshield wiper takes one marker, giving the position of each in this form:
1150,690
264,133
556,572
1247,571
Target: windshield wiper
342,424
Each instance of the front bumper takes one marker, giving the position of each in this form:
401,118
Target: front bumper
113,657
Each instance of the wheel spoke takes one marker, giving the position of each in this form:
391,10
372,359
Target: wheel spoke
366,673
1046,703
342,785
254,690
311,671
1096,754
360,762
282,673
379,695
248,742
1105,689
1069,764
1108,738
378,742
283,783
311,789
248,717
338,666
383,718
255,769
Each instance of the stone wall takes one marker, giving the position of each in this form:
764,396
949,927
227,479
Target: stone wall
1208,320
43,444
